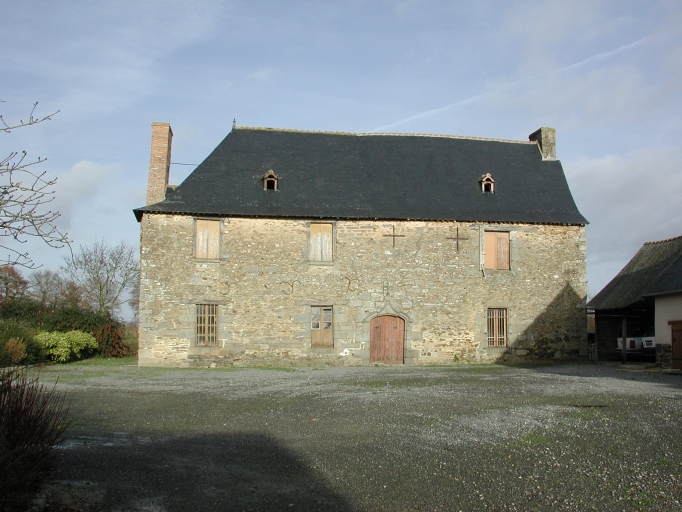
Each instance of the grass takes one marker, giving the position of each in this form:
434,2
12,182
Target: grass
130,339
535,439
273,368
106,361
395,383
479,368
581,415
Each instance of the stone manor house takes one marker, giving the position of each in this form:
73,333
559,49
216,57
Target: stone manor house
289,247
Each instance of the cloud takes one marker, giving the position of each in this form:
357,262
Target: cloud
263,75
106,56
629,199
506,95
77,188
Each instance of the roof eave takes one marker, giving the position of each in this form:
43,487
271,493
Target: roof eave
139,212
667,292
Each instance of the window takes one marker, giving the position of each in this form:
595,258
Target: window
321,330
321,242
207,239
207,325
497,327
496,250
270,180
487,184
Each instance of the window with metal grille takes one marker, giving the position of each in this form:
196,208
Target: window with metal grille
207,325
497,327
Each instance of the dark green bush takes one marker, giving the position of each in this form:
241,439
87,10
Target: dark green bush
26,311
32,422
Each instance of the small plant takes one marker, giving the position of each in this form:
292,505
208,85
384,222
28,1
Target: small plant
63,347
455,358
17,344
16,350
32,422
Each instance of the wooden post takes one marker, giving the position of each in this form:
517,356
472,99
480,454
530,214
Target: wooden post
596,338
624,328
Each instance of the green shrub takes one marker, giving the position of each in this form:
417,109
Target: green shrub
12,330
107,330
16,350
66,346
32,422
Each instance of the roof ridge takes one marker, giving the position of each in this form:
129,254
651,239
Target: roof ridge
654,242
392,134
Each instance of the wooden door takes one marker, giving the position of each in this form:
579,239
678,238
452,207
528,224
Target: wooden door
676,338
321,327
386,340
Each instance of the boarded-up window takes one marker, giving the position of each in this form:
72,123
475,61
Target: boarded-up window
207,325
321,326
496,250
321,242
207,239
497,327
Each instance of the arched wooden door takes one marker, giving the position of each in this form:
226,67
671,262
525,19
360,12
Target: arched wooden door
386,340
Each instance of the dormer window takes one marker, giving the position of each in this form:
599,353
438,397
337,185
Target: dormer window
270,180
487,184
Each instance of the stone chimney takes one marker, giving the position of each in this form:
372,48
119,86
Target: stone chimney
159,163
546,139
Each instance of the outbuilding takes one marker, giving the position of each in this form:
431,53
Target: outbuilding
644,300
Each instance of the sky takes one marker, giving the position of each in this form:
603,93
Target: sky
606,74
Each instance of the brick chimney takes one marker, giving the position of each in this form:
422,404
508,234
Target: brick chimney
546,139
159,163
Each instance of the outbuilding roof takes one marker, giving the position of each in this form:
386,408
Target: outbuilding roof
656,269
335,175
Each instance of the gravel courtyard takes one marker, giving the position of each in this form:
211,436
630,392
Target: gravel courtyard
569,437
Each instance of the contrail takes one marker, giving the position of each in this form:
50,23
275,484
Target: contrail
477,97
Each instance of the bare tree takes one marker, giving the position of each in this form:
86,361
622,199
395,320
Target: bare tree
134,301
72,296
46,286
24,192
105,273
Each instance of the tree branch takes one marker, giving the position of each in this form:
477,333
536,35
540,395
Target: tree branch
23,196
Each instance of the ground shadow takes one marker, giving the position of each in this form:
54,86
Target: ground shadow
610,370
559,332
194,473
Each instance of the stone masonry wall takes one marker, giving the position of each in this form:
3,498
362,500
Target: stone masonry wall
264,286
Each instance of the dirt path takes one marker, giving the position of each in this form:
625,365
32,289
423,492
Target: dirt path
585,437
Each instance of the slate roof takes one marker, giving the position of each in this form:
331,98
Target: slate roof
373,176
656,269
